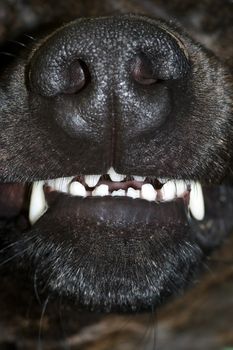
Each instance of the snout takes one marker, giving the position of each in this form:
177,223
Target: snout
119,123
110,80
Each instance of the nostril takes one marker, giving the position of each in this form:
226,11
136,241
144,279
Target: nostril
142,71
51,77
77,77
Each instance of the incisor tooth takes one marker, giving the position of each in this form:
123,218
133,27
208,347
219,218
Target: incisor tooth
162,180
118,193
131,192
92,180
139,178
181,187
114,176
77,189
38,205
196,202
101,190
168,191
60,184
148,192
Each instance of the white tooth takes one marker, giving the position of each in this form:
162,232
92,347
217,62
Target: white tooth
139,178
168,191
101,190
38,205
61,184
50,183
196,202
118,193
77,189
133,193
163,180
92,180
114,176
148,192
181,187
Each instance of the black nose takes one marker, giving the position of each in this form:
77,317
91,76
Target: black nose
114,77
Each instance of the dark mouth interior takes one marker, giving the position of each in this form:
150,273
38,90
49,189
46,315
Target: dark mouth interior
14,199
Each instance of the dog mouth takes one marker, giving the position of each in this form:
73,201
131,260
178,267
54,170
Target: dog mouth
112,187
116,242
205,207
131,193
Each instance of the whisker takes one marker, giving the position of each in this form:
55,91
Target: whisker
30,37
15,243
13,257
154,319
39,345
143,337
36,289
65,344
46,284
8,247
17,42
7,54
149,336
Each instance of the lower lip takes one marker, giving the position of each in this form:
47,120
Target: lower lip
117,210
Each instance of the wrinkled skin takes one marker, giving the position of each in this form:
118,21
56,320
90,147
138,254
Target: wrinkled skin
73,103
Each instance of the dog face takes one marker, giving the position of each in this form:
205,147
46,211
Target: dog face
120,129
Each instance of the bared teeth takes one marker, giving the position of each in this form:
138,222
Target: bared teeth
162,180
148,192
101,191
77,189
196,202
92,180
118,193
139,178
181,187
38,205
168,191
61,184
114,176
131,192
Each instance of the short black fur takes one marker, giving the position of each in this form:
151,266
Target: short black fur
72,104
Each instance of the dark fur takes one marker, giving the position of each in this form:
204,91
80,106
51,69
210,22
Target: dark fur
128,263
